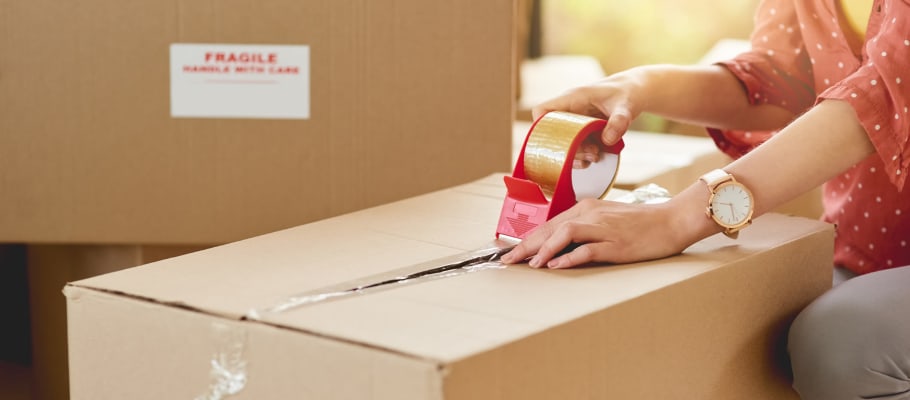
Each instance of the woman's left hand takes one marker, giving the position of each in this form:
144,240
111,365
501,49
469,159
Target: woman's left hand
605,231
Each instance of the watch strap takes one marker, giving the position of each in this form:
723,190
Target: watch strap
716,177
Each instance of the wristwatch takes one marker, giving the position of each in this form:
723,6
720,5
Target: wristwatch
730,205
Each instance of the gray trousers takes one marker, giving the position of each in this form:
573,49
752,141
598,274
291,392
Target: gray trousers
853,342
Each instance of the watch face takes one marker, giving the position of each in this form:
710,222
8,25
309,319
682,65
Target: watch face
731,204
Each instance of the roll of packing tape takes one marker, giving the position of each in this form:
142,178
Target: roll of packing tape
544,183
553,142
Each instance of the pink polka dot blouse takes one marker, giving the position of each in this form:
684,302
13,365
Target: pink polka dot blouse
800,56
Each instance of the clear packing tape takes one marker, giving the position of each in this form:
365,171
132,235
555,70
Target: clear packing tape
228,366
478,260
483,259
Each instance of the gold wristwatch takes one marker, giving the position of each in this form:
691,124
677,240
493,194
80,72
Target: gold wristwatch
730,205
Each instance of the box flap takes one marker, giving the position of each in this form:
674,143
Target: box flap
447,319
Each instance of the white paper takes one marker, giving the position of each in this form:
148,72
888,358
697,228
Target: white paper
240,81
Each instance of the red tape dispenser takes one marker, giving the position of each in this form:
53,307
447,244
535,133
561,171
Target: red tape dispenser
544,183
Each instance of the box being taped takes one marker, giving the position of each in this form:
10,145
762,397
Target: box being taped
706,324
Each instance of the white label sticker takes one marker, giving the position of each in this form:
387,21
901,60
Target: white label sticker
240,81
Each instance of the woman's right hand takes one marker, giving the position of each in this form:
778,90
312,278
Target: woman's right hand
619,98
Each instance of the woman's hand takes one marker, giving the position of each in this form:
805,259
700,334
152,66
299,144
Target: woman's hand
618,98
606,231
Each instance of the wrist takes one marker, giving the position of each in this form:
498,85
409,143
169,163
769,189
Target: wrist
686,215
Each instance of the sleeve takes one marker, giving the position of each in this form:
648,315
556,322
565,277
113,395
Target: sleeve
775,71
879,91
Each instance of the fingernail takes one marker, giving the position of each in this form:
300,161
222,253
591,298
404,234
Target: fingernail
554,264
535,262
506,258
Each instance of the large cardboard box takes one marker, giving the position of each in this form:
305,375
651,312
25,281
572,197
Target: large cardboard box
150,122
50,267
706,324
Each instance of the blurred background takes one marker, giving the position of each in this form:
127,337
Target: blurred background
570,42
562,43
623,34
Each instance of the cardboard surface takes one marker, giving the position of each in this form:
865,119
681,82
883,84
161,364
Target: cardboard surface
50,267
89,152
707,322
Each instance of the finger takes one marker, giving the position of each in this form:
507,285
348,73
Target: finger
570,232
594,156
617,125
550,246
591,152
579,100
586,253
588,153
554,104
531,244
514,256
581,164
539,110
527,248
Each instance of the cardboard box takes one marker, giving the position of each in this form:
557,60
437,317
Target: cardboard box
50,267
95,146
706,324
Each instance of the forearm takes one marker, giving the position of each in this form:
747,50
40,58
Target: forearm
820,144
705,96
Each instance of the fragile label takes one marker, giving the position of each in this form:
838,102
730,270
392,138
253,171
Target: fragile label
240,81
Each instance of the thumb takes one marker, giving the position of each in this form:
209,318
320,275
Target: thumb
617,125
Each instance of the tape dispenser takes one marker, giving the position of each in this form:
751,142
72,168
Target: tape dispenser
544,183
